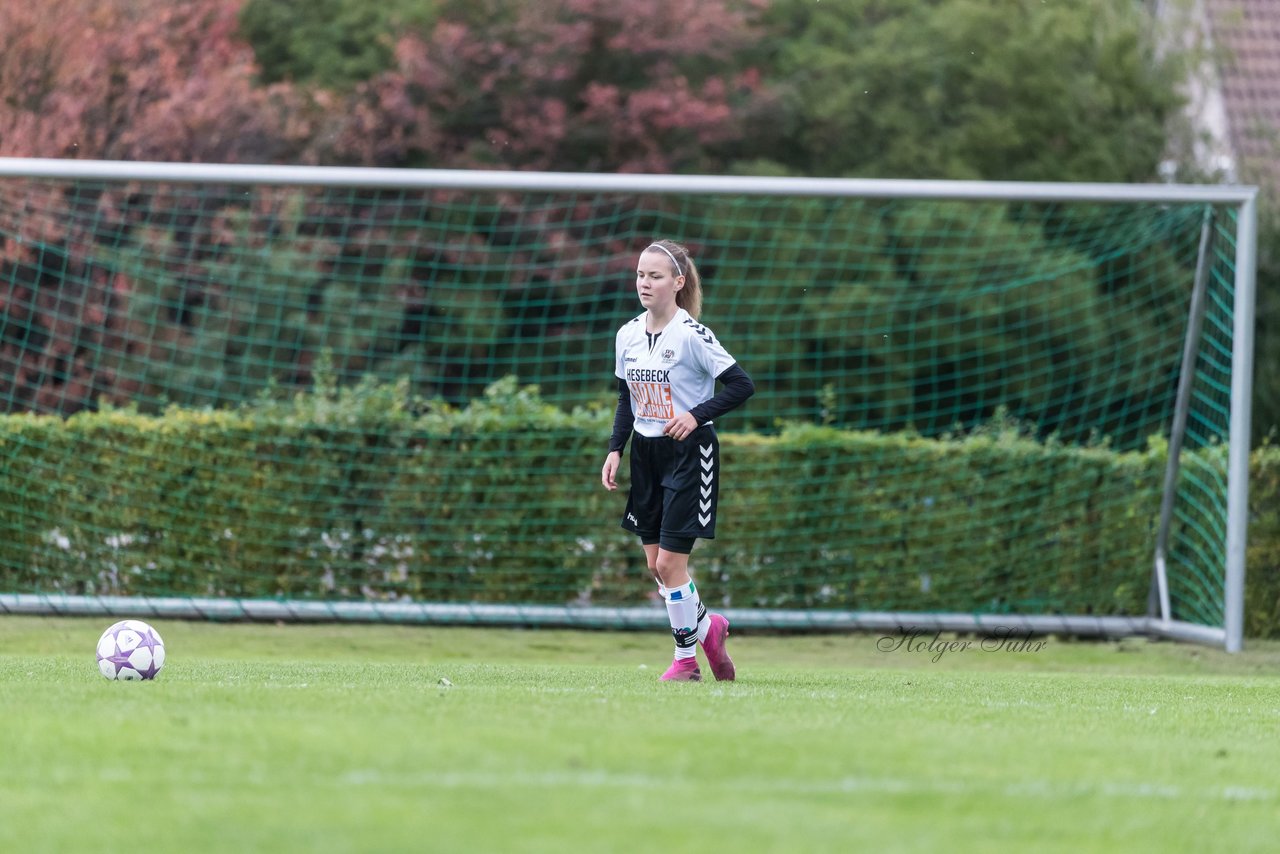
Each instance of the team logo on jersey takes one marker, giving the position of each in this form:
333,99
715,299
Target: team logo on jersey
668,355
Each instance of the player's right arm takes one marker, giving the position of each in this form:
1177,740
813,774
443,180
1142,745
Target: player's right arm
609,473
623,422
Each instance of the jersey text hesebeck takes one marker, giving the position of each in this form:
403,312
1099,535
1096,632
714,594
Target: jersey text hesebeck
644,375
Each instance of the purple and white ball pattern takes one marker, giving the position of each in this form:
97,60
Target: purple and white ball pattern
130,650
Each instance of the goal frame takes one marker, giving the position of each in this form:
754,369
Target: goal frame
1158,621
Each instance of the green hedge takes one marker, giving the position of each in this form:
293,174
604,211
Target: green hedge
1262,581
356,494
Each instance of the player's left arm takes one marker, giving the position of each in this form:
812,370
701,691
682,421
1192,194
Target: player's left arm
735,385
735,388
713,358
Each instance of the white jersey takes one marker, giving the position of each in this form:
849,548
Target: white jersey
670,374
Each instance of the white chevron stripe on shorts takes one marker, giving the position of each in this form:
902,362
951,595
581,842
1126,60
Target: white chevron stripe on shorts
708,475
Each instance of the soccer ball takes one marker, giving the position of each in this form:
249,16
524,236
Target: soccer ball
130,650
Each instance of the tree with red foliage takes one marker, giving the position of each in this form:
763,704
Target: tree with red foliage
139,80
115,80
578,85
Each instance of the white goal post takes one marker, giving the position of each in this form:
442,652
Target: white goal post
1160,619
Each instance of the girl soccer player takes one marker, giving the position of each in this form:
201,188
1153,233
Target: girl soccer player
667,365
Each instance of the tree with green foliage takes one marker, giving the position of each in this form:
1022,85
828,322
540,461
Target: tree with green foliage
988,89
970,89
334,44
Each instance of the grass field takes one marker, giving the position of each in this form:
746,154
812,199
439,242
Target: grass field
387,738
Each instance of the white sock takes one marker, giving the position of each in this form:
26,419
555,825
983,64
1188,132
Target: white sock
682,611
704,622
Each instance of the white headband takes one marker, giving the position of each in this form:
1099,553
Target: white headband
679,272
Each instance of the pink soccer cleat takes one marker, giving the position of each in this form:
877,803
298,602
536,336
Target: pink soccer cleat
717,655
683,670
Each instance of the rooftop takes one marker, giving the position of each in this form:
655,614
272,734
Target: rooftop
1246,34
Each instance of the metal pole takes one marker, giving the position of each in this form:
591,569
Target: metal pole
585,182
1243,197
1241,391
1178,429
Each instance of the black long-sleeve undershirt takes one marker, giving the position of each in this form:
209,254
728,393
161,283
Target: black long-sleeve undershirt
737,387
623,419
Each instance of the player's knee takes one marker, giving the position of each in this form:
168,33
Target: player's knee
668,565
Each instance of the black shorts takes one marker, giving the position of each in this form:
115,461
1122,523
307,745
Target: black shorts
674,488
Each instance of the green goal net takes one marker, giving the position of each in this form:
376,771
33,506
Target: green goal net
353,394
